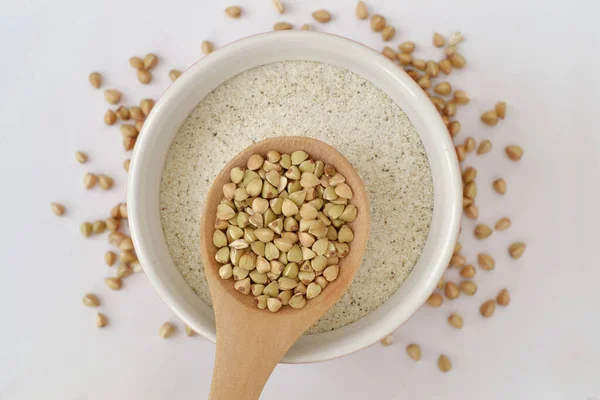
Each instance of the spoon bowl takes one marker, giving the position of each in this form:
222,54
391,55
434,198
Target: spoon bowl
251,341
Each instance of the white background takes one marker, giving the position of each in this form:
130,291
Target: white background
541,57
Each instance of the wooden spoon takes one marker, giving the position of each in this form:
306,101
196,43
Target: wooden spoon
251,341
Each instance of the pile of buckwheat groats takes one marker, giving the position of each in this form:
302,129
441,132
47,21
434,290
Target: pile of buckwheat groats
446,99
281,228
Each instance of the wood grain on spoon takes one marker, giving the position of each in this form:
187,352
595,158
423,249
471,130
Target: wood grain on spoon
251,341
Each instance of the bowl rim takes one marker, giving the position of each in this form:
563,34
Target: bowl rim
139,209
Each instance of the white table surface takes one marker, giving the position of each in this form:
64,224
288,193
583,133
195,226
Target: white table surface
539,56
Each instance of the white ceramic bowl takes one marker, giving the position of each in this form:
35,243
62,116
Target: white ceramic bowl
184,95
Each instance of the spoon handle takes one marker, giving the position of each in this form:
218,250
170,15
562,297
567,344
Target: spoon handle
247,353
241,372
